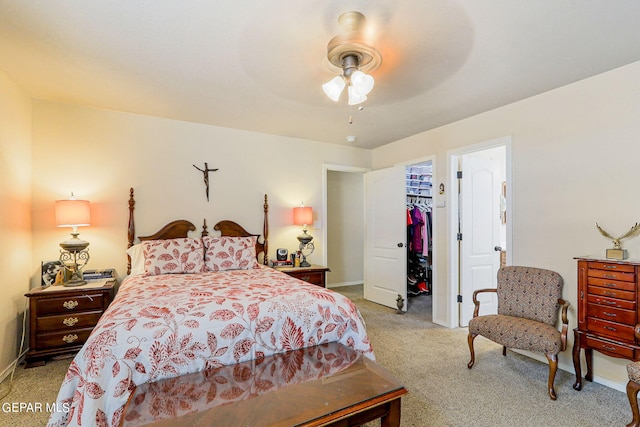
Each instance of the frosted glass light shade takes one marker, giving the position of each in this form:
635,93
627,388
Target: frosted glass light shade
302,215
355,97
334,88
362,83
71,213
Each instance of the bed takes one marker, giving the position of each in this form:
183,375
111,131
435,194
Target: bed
178,312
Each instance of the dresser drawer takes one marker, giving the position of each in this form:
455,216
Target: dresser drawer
612,302
67,321
612,314
612,284
61,305
611,329
611,266
612,293
609,347
66,338
612,275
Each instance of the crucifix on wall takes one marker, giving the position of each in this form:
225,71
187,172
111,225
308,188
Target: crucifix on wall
205,173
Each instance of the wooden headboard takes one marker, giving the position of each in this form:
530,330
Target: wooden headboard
181,228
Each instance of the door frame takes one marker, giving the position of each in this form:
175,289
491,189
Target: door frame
325,170
452,201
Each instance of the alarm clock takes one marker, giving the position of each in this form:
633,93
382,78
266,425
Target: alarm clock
282,254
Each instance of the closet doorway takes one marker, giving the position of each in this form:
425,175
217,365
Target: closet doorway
419,244
344,231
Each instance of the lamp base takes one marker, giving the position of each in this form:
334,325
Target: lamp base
76,282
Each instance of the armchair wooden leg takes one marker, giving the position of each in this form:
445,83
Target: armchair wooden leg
553,368
470,339
504,350
632,393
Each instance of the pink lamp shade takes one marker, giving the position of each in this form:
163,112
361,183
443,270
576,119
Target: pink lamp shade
302,215
72,213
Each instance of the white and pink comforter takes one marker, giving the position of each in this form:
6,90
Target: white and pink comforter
169,325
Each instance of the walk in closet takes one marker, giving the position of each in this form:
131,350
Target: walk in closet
419,190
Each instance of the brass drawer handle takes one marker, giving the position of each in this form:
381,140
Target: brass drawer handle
306,278
606,347
611,294
609,276
70,305
610,328
69,338
70,321
609,314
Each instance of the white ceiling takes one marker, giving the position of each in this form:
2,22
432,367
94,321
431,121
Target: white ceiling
259,65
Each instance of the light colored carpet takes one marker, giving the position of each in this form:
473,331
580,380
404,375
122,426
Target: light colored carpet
431,361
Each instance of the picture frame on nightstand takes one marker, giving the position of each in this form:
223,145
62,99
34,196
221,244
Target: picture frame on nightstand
48,272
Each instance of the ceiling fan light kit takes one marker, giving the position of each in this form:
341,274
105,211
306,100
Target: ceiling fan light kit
350,51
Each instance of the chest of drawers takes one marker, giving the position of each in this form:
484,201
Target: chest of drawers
608,314
61,319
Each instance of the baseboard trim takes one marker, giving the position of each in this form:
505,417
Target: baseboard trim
337,285
7,371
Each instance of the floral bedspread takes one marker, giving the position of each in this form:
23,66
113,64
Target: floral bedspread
168,325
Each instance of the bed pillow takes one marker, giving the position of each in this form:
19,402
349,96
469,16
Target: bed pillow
137,259
173,256
230,253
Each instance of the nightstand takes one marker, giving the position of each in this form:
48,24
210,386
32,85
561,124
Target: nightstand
316,274
61,319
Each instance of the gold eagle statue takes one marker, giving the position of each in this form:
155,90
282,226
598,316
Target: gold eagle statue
616,240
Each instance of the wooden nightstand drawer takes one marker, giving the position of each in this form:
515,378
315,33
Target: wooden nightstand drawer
314,277
67,321
67,304
64,338
316,274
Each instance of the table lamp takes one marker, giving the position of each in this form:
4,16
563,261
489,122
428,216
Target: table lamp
303,215
74,253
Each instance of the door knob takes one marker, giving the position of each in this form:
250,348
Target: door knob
400,245
497,249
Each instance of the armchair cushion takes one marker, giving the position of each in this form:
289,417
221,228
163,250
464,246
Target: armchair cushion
517,332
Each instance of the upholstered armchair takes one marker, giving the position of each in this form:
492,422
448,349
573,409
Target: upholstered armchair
528,303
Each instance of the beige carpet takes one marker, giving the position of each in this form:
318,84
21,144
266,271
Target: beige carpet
431,361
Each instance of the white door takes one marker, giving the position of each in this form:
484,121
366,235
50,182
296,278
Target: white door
480,190
385,254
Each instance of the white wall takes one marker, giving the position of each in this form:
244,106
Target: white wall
99,154
575,154
15,216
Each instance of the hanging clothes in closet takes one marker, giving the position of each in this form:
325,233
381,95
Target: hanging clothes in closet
419,245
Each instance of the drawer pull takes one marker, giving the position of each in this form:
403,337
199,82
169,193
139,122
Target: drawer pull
70,305
611,294
69,338
609,314
70,321
606,347
610,328
306,278
609,302
610,266
609,276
